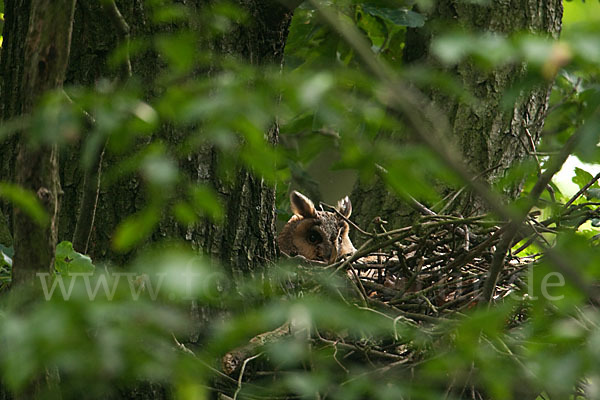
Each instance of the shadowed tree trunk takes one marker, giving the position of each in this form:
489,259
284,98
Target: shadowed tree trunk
491,138
37,38
34,60
246,239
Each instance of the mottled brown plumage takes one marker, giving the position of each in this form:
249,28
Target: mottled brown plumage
316,235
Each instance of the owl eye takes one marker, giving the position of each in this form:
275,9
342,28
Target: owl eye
314,237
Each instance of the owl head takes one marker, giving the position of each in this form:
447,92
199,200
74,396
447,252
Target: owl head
316,235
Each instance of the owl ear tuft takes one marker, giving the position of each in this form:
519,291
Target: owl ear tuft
344,206
302,205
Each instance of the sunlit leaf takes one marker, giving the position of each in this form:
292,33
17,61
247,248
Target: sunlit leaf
581,177
67,260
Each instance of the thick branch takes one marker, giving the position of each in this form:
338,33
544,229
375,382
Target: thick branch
233,360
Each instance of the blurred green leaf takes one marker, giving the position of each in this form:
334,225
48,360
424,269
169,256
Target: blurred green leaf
205,201
170,13
24,200
159,171
180,50
135,229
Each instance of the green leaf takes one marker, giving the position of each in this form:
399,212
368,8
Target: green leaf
587,149
24,200
159,170
68,261
170,14
375,29
9,251
184,213
5,266
5,260
452,48
396,16
179,50
593,193
582,177
205,201
135,228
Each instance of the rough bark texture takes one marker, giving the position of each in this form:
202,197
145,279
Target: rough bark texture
246,239
37,38
491,139
12,59
5,236
42,67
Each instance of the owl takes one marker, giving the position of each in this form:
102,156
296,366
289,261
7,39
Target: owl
316,235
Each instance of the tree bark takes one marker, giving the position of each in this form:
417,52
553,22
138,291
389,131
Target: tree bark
249,237
37,38
42,54
246,239
491,139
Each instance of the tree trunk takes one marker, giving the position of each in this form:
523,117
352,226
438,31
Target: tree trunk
43,54
37,38
246,238
491,139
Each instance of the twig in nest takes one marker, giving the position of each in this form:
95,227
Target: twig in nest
182,347
366,351
335,350
362,290
411,280
233,359
246,361
305,261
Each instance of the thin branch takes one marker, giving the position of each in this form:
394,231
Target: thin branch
119,22
352,224
431,126
582,190
426,121
92,176
239,386
555,165
89,204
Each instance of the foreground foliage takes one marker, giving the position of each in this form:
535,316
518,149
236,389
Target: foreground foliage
441,314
